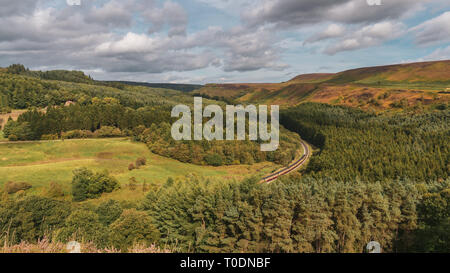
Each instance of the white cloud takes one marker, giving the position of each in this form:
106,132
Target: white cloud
87,37
113,13
438,55
294,13
332,31
434,30
151,36
22,7
368,36
230,6
171,14
242,50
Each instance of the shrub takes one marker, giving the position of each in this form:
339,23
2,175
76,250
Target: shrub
441,107
142,161
13,187
132,183
131,167
78,134
107,131
13,138
87,185
145,187
49,137
5,110
54,190
214,160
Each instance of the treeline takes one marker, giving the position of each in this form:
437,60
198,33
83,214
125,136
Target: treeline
59,75
173,86
55,121
228,101
373,147
151,125
292,215
217,153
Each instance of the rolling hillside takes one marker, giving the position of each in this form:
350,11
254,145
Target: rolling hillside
21,88
383,87
172,86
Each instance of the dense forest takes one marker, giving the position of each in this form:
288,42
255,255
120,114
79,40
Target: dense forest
373,147
374,177
218,153
293,215
35,124
302,215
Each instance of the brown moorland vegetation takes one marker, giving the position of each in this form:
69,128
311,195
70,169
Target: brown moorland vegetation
377,88
46,246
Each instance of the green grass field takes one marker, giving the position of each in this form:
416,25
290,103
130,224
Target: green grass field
40,163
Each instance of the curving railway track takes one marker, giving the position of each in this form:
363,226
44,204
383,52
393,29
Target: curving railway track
291,168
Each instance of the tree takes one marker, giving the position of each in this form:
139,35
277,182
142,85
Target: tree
434,214
32,218
84,226
87,185
109,211
132,183
16,69
133,227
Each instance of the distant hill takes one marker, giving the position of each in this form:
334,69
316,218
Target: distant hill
425,72
81,77
173,86
55,75
378,88
21,88
311,78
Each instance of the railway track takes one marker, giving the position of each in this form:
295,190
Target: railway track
291,168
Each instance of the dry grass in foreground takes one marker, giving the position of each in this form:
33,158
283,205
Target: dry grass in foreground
45,246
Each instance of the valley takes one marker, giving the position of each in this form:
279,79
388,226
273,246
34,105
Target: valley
363,155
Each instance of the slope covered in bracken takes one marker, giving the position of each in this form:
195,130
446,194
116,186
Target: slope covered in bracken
378,88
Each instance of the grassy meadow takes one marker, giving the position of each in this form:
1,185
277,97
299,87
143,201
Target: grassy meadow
40,163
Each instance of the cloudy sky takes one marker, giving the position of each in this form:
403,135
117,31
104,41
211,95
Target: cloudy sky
204,41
